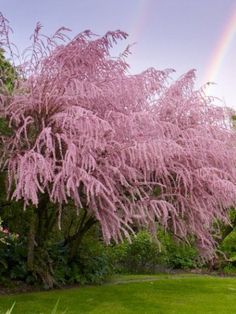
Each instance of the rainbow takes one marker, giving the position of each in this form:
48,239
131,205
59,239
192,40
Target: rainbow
141,16
221,49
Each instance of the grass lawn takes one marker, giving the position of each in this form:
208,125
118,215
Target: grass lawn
135,294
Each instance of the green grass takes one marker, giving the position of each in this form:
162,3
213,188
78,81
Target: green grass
135,294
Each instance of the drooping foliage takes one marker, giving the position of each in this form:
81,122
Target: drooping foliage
132,150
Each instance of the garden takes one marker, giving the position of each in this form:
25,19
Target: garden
117,191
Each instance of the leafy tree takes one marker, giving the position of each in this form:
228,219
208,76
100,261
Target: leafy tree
125,150
8,76
7,72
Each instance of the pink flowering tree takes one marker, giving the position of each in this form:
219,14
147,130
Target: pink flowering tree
126,150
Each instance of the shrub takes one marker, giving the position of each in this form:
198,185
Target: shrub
142,255
92,265
177,254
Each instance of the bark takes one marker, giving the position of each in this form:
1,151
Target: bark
31,243
73,242
38,259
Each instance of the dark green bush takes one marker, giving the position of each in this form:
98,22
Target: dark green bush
181,257
92,264
13,260
177,254
229,269
142,255
95,262
228,246
226,262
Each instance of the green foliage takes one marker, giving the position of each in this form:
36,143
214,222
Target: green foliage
229,269
4,127
181,257
226,259
13,259
226,262
145,255
95,262
228,246
177,254
8,76
140,256
92,264
8,73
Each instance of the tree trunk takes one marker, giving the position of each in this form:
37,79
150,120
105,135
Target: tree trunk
31,243
38,259
73,242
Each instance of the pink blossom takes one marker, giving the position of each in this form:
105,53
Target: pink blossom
85,129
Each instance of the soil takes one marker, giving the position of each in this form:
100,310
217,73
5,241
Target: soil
15,287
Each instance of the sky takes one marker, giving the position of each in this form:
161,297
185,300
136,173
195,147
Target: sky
178,34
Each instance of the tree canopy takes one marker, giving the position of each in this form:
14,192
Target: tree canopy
131,150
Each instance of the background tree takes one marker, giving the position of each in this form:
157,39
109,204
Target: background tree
124,150
7,72
8,76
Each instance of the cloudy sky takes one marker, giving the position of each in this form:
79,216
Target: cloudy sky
179,34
